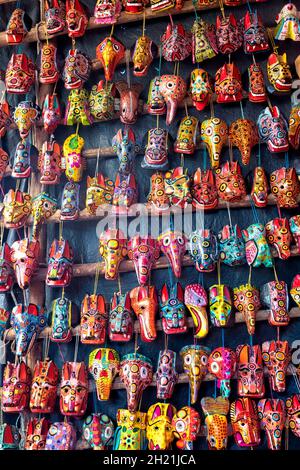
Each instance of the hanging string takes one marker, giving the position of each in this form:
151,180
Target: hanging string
212,109
1,232
128,73
46,347
77,129
144,23
157,121
170,273
96,280
63,293
112,30
230,150
250,274
186,108
253,58
278,333
119,283
259,154
13,297
182,160
274,269
249,7
204,158
76,347
286,160
219,272
254,211
272,40
166,342
242,110
136,344
223,337
221,5
229,213
97,160
61,226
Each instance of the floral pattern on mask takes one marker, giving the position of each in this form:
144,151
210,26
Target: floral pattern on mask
258,252
131,431
17,208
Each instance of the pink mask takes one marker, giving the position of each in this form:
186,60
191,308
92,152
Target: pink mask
276,356
275,296
144,252
136,373
271,413
173,245
222,364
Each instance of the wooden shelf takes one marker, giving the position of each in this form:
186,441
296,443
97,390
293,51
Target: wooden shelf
39,31
262,315
89,269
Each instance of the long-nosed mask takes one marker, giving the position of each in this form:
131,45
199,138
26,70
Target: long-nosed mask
276,356
271,413
43,207
144,51
232,246
97,432
20,74
76,18
285,186
273,129
136,373
246,300
110,52
120,318
279,74
51,113
113,249
27,321
176,43
245,422
55,16
186,426
7,277
104,365
292,405
16,387
215,411
173,245
131,431
129,101
166,375
260,187
74,389
60,264
144,303
258,252
214,133
24,258
195,358
200,89
159,426
195,299
173,90
144,252
204,250
17,208
204,190
222,364
279,235
93,319
243,134
220,305
25,116
107,11
230,182
50,162
250,373
275,296
44,387
172,309
36,434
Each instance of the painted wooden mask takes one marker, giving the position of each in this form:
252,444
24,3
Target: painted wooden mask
16,387
220,305
260,187
245,422
173,245
20,74
107,11
36,434
204,190
76,18
215,411
136,373
204,249
24,258
273,129
28,322
195,358
51,114
61,436
44,387
200,88
129,101
214,133
104,365
18,26
195,299
255,34
176,43
26,114
177,187
55,16
285,186
232,246
17,208
228,34
110,52
131,431
73,160
230,182
97,432
144,303
292,405
74,389
93,319
173,90
102,101
185,142
275,296
7,277
113,248
279,74
166,375
143,53
250,374
60,264
279,236
156,152
120,319
159,426
186,426
243,134
222,364
172,309
70,201
62,319
246,300
276,356
258,252
271,413
228,84
50,162
144,252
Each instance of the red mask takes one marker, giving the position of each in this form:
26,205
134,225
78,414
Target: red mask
250,373
60,264
260,187
229,34
203,190
16,387
285,186
74,389
49,72
7,277
93,319
55,16
295,229
50,162
20,74
176,42
51,114
276,356
143,251
18,26
255,34
279,236
36,434
44,387
129,101
257,88
271,413
293,410
76,18
245,422
144,303
230,182
24,257
222,364
275,296
228,86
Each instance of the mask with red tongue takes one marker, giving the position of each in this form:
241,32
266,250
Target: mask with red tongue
273,129
76,18
279,74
